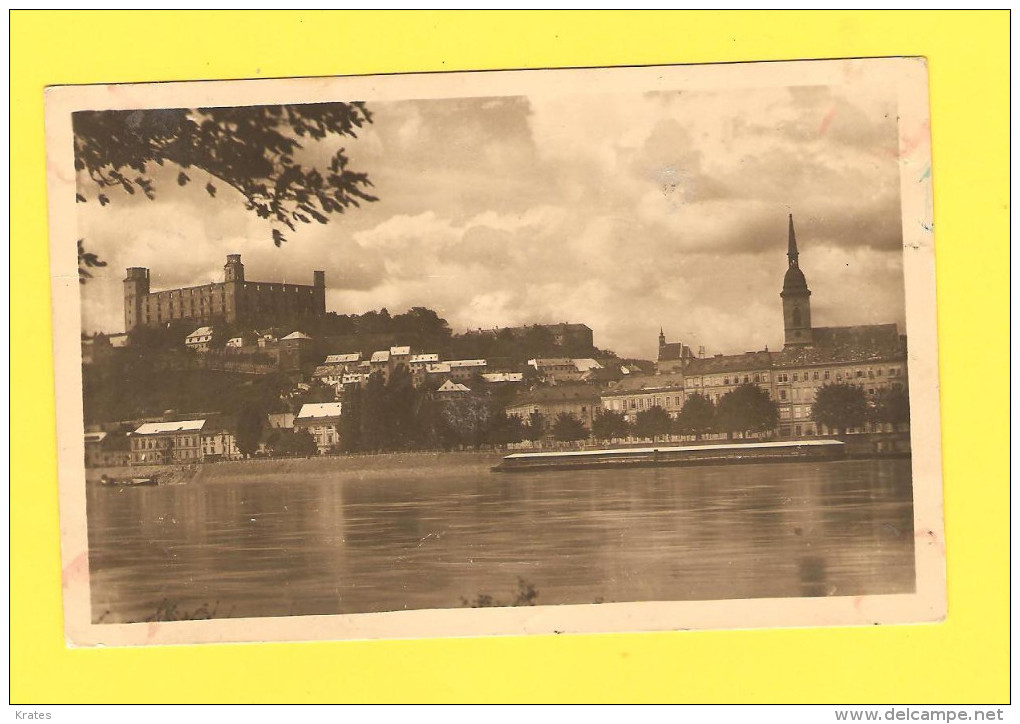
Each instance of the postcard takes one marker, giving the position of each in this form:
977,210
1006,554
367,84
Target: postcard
496,353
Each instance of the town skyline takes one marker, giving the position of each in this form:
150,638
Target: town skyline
692,240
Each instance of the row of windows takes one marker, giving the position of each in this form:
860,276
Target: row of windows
730,379
821,375
162,443
645,403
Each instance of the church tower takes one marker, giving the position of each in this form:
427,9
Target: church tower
796,298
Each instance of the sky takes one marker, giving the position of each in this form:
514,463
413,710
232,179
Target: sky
627,212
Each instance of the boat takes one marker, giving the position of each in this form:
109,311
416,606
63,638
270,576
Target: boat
722,454
128,482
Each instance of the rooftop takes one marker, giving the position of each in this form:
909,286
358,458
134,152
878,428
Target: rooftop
559,393
831,345
729,363
162,428
318,410
646,383
343,358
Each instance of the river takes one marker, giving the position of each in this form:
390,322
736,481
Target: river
454,534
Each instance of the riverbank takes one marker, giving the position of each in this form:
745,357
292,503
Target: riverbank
411,464
420,464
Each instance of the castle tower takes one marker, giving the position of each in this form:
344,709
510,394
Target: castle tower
234,298
796,298
136,287
233,270
319,291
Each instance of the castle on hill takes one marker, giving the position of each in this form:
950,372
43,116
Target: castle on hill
235,300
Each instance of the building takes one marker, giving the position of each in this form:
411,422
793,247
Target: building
672,355
107,449
280,420
162,443
462,370
556,369
714,376
200,339
581,401
500,378
636,393
873,357
294,351
322,421
235,300
218,440
452,389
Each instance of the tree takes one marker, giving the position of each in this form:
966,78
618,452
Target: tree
652,422
839,406
249,428
535,428
696,416
251,149
892,406
464,421
568,428
747,408
86,261
610,425
505,429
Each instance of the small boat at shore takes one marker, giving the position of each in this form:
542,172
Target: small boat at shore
724,454
128,482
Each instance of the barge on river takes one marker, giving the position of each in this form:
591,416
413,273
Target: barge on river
726,454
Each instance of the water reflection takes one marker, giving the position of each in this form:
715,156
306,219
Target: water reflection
435,536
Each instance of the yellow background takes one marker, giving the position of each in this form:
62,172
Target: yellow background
964,660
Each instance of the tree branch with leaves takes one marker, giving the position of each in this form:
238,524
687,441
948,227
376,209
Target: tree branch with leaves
251,149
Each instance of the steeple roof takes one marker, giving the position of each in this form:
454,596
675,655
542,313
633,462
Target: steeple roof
791,251
794,281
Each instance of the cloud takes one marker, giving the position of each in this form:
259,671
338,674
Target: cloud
625,211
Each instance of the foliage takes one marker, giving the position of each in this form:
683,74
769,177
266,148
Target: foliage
697,416
568,428
505,429
463,421
839,406
747,408
892,405
652,422
86,261
137,382
252,149
610,425
285,443
249,427
535,428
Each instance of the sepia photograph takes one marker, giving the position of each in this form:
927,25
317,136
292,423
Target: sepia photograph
510,352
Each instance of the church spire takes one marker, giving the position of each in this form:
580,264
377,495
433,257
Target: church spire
791,252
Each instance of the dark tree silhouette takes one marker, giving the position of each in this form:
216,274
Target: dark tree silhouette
839,406
652,422
568,428
86,261
610,425
252,149
891,405
535,428
249,428
696,416
745,409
